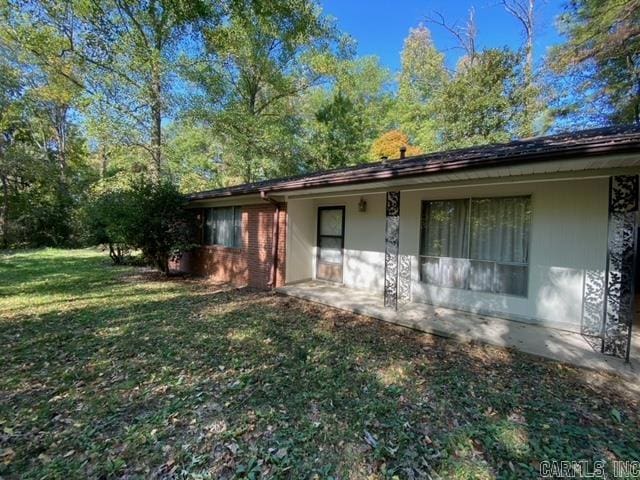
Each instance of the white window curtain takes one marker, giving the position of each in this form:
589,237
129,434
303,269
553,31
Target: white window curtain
444,225
499,240
476,244
500,229
237,227
444,238
223,226
209,228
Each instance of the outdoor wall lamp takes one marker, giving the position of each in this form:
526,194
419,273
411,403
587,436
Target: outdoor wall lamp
362,205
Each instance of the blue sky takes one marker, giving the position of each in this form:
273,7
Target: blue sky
380,26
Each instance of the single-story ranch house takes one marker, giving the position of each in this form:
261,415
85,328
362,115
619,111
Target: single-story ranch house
541,231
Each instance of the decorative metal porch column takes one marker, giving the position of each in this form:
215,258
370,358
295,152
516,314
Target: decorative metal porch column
397,268
620,267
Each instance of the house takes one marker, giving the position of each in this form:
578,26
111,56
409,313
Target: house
541,231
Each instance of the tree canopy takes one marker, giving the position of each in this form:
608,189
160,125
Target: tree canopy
206,94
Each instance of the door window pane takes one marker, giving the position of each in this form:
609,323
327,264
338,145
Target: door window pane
331,222
331,249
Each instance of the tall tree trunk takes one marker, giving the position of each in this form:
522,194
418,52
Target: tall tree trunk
524,12
248,167
60,124
156,109
529,31
530,103
104,162
156,135
4,212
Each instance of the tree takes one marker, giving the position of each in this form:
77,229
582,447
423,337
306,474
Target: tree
194,157
602,54
388,146
524,12
129,57
422,77
483,102
10,122
344,120
43,168
256,66
160,226
465,34
109,214
338,134
119,53
50,142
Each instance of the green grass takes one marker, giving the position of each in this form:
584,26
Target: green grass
115,372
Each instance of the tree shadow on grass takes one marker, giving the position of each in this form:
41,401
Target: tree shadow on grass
183,380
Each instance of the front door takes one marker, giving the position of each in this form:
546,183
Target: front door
330,244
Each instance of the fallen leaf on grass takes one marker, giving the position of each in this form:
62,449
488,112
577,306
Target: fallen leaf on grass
7,455
370,439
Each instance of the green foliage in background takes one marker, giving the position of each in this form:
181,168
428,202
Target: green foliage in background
210,94
600,61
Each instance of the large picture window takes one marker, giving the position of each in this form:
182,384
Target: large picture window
479,244
223,226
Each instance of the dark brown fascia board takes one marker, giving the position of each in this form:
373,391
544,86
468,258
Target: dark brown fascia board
442,167
415,167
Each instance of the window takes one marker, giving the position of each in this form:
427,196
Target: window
223,226
479,244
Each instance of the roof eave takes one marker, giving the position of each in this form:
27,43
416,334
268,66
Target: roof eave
413,170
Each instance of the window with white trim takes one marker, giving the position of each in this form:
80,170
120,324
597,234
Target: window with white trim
479,244
223,226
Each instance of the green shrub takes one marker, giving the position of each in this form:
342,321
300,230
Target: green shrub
145,215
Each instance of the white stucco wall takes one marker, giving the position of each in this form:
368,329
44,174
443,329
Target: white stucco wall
301,231
568,239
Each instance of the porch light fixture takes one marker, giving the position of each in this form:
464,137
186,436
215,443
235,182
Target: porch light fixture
362,205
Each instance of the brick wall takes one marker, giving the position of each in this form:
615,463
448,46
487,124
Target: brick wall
251,264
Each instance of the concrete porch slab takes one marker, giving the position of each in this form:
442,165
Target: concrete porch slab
563,346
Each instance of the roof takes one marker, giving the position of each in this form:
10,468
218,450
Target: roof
585,143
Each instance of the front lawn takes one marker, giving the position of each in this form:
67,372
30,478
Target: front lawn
116,372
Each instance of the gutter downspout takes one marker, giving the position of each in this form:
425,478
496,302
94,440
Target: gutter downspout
275,238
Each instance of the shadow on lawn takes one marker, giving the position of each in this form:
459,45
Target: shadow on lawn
173,378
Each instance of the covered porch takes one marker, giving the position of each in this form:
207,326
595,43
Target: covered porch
560,345
545,263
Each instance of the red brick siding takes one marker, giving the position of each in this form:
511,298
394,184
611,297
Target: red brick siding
251,264
282,247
